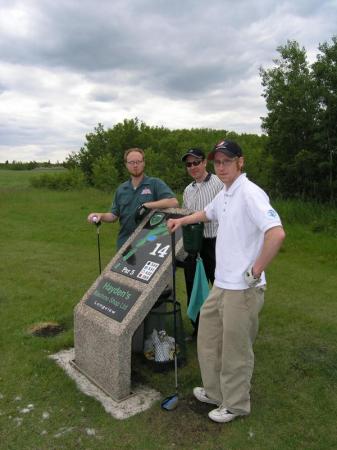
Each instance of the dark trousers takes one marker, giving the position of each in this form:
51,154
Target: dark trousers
207,254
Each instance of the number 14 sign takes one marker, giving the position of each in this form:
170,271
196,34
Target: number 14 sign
148,251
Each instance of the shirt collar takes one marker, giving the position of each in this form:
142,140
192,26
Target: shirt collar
207,178
145,180
233,187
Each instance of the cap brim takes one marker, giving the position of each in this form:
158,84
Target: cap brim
190,154
211,155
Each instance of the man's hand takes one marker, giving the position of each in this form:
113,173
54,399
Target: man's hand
141,212
174,224
94,218
251,279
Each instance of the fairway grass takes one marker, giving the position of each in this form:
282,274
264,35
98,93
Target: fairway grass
49,260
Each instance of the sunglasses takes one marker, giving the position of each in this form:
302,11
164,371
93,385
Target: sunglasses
193,163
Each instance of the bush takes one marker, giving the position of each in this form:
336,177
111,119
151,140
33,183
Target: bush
105,174
65,181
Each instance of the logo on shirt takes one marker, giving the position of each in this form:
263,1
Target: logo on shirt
272,214
146,191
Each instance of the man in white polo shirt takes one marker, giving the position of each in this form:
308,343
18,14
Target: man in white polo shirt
249,236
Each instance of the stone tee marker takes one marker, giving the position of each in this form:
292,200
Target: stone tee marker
111,311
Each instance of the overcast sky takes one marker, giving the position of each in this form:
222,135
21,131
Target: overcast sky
66,65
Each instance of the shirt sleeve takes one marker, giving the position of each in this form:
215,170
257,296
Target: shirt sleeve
184,199
162,190
260,210
115,208
211,209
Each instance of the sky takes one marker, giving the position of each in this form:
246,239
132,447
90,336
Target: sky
67,65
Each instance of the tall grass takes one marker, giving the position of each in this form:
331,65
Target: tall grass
319,216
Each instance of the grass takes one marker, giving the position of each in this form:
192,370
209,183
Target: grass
49,259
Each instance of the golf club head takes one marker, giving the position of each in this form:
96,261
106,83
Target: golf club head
170,403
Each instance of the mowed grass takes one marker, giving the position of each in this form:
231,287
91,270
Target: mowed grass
49,260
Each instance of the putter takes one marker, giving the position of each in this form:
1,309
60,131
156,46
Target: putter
98,224
171,402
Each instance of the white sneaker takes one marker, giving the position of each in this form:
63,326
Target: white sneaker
222,415
200,394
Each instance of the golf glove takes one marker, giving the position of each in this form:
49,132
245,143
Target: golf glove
251,279
140,213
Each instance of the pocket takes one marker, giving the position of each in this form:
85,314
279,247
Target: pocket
254,297
124,202
146,198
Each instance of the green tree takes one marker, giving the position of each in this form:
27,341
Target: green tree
93,149
325,73
105,175
289,91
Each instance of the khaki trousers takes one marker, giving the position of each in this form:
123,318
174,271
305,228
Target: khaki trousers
227,330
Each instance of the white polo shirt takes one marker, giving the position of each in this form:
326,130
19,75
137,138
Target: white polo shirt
244,215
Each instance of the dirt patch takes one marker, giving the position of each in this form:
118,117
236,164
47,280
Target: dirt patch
198,407
188,423
45,329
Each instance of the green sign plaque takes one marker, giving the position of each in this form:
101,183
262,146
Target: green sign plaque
113,299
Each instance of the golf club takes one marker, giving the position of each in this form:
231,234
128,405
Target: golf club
171,402
98,224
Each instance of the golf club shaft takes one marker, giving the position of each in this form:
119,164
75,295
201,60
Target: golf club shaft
171,402
99,251
173,243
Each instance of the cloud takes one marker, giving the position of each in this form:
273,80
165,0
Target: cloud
68,65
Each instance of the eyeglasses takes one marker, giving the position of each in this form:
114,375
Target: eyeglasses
193,163
224,162
134,163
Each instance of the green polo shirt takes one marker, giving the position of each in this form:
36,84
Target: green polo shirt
127,199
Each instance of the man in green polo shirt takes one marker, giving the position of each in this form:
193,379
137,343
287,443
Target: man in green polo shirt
140,189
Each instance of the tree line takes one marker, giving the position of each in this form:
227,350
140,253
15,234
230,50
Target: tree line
101,158
29,165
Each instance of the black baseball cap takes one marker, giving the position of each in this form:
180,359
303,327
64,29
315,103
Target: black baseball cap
196,152
229,148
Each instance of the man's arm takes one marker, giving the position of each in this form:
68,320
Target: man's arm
273,239
102,217
174,224
162,204
163,196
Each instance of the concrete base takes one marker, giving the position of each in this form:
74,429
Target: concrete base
141,399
